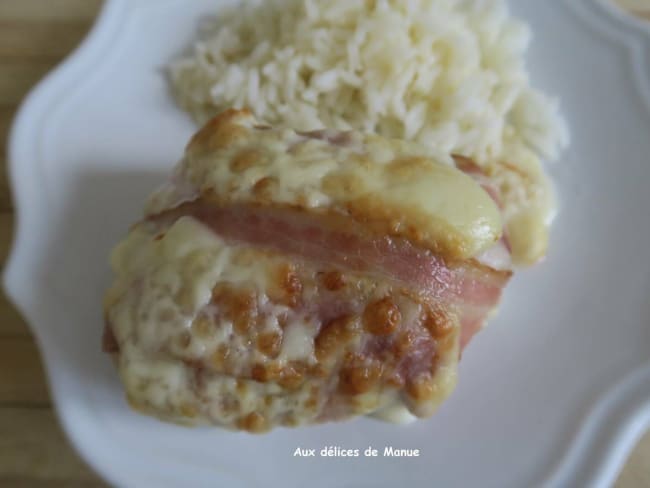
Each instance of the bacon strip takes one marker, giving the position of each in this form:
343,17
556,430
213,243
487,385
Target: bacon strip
469,286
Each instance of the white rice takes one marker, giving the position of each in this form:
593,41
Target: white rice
446,73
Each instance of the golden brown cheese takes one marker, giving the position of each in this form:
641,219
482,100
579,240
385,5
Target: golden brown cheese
215,331
395,187
250,369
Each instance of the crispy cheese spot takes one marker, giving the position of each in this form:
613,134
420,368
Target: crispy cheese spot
265,373
381,317
358,375
253,422
292,375
220,132
269,344
188,410
263,189
289,287
438,323
334,335
239,306
259,373
420,388
246,159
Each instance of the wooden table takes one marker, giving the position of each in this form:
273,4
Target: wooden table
34,36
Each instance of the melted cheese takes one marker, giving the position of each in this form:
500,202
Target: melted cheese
175,274
298,341
396,413
529,204
162,284
165,281
403,186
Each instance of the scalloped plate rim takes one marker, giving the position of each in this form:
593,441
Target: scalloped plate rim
627,403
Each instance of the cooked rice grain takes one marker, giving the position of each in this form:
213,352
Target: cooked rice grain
448,74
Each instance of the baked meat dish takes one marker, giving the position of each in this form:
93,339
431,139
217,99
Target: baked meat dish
285,278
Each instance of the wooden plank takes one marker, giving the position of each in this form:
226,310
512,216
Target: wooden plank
6,118
6,201
39,40
22,380
49,10
636,471
12,324
18,78
644,14
638,8
634,4
6,234
32,483
32,447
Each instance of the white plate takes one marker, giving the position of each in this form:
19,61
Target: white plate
554,393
